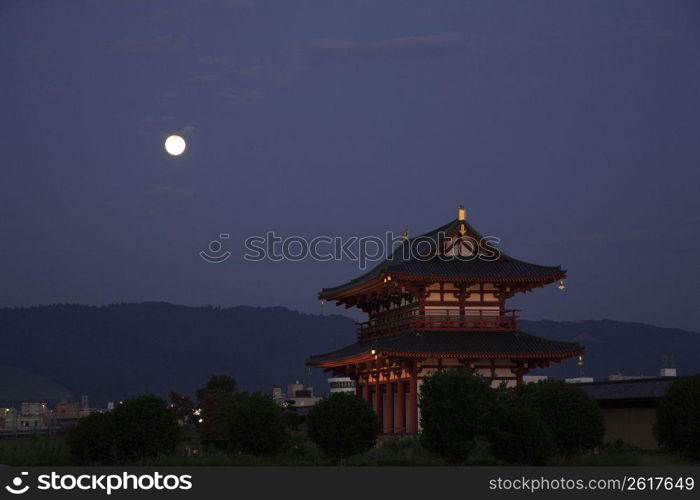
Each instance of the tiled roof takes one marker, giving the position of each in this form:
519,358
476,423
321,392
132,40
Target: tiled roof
406,260
506,267
454,343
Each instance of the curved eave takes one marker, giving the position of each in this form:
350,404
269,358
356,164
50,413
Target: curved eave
368,356
544,279
351,289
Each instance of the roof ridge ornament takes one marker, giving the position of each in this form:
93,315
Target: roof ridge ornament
461,213
462,217
405,234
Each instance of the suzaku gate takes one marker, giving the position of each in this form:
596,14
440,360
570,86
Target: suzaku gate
437,304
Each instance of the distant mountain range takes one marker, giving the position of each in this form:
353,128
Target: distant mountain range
116,351
620,347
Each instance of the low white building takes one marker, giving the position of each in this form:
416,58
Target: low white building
341,384
297,395
578,380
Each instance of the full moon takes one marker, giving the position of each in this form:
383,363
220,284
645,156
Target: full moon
175,145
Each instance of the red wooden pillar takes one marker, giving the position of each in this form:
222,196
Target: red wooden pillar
401,408
379,399
519,372
367,393
413,401
421,305
389,422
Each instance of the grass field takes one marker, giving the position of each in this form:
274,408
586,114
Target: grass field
406,451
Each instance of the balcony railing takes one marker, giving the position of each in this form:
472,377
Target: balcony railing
438,319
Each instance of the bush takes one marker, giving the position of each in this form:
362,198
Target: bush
573,419
301,450
456,409
678,418
35,450
520,435
396,451
343,425
257,425
138,429
93,441
144,427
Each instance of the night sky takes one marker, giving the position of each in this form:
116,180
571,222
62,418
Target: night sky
571,130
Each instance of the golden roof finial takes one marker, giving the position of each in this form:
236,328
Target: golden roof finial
462,213
405,234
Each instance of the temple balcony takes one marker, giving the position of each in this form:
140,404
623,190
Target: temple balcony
401,320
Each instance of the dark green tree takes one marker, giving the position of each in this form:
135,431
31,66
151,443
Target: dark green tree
575,421
343,425
257,425
678,418
291,416
144,427
215,400
217,384
457,408
183,407
519,435
138,429
92,440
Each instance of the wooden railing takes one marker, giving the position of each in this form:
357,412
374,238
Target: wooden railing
438,319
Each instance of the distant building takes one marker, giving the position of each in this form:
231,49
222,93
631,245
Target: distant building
38,417
31,423
297,390
619,376
8,417
67,413
341,384
297,395
33,409
663,372
629,408
32,417
533,379
578,380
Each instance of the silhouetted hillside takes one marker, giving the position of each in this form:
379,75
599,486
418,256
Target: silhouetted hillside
616,346
17,385
116,351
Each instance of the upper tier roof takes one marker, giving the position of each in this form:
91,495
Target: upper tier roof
406,263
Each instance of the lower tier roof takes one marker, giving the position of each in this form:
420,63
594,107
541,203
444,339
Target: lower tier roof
453,344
